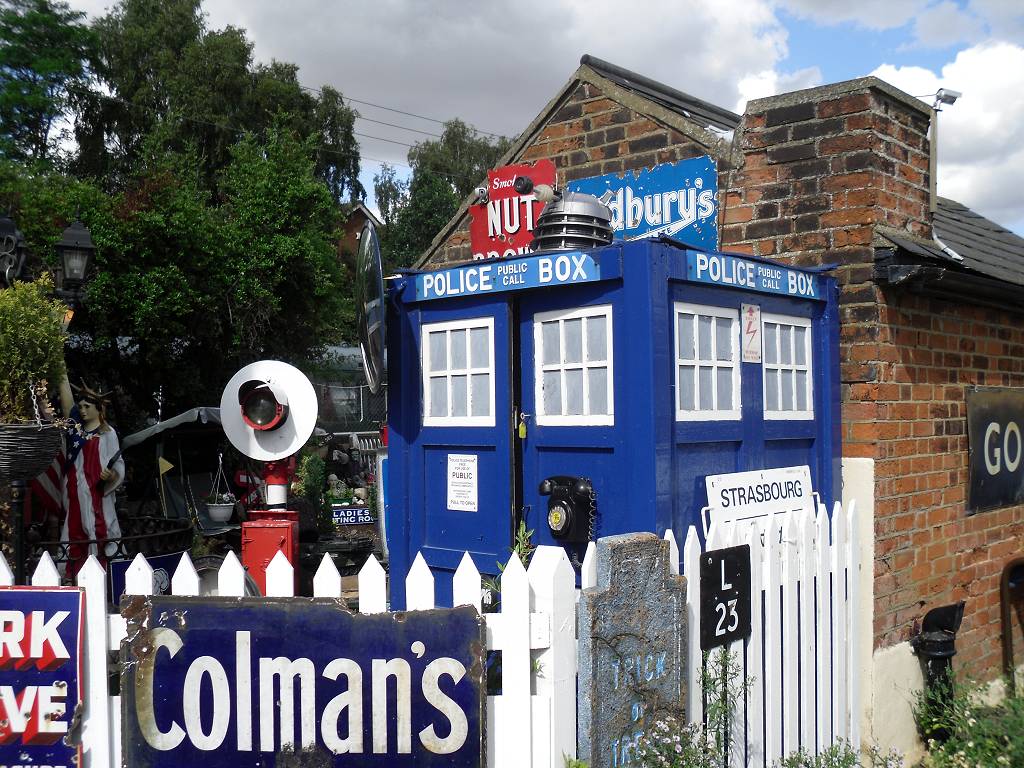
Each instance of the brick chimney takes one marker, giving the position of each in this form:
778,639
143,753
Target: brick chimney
822,167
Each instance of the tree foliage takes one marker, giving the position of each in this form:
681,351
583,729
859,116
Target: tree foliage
43,47
444,172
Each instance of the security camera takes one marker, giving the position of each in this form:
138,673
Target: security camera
480,195
946,96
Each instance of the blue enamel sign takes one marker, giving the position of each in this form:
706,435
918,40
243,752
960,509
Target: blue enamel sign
679,200
266,682
567,268
163,566
40,674
736,272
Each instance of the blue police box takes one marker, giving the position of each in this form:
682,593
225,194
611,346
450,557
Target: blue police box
589,393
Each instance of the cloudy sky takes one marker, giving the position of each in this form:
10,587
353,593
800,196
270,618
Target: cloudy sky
495,64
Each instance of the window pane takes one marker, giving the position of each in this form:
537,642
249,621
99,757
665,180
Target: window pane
704,336
686,387
552,393
481,394
787,390
438,351
706,387
574,341
597,338
460,396
801,391
438,396
725,402
771,390
786,344
685,335
771,343
800,349
597,383
549,339
458,342
723,338
479,348
574,392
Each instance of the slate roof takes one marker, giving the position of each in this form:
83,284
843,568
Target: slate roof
698,110
977,244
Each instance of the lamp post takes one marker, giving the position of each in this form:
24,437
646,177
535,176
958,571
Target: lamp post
75,249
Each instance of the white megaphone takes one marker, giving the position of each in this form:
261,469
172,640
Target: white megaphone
268,411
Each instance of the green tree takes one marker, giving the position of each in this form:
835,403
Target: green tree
444,172
197,90
43,47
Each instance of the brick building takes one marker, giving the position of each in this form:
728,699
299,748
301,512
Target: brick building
932,303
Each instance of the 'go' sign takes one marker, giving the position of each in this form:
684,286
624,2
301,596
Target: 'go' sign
724,596
995,430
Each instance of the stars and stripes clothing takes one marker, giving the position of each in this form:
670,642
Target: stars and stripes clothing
88,500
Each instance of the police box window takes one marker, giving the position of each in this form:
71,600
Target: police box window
707,363
458,373
788,392
573,368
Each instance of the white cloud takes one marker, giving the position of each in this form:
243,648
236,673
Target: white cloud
770,82
872,14
946,24
981,137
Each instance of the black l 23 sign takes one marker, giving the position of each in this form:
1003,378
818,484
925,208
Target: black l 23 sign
995,435
724,596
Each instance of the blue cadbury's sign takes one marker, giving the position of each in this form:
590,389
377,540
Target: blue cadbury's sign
40,674
674,199
243,683
736,272
510,275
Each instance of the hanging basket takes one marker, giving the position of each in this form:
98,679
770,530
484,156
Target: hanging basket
27,449
220,513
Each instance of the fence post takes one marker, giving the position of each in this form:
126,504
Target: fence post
512,726
553,595
100,740
691,569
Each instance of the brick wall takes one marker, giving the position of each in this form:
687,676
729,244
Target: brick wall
590,134
823,170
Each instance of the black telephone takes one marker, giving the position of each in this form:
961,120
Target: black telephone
571,507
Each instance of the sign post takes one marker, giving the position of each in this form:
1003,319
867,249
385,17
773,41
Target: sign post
41,658
724,596
294,681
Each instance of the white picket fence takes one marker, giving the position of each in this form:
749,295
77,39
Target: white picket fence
798,664
531,723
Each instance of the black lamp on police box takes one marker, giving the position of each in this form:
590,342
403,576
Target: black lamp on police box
75,249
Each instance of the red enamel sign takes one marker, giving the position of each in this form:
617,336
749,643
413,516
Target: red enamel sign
503,226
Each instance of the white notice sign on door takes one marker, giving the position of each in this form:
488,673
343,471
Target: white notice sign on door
462,482
751,333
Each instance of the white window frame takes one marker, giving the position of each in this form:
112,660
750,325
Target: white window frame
448,326
584,419
720,414
791,320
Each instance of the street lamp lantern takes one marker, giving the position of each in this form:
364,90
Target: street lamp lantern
75,249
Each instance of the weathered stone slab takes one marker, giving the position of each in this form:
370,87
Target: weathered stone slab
632,640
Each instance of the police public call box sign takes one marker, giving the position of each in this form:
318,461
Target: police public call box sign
270,682
736,272
41,635
724,596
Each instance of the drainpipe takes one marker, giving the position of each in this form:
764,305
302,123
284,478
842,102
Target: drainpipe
936,645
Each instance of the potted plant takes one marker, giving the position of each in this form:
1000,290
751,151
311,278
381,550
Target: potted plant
32,354
220,506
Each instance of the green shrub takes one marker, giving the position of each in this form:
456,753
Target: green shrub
976,735
31,345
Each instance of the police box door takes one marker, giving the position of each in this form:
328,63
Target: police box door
460,487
